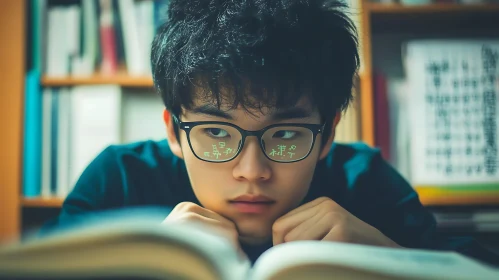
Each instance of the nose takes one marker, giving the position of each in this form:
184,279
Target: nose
252,165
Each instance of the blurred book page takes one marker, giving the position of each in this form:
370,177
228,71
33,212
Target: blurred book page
452,94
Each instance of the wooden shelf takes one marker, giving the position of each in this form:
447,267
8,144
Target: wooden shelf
430,198
460,200
433,18
49,202
121,80
377,8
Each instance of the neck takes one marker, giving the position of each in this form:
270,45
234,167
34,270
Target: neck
253,251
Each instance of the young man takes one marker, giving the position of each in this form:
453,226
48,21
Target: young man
253,92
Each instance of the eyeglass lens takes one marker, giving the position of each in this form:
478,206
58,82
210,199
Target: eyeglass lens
218,143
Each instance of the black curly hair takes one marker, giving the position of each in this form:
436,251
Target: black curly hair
265,53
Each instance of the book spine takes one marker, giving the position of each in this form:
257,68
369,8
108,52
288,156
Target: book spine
54,143
107,36
46,142
32,135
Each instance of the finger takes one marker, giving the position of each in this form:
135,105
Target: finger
298,232
306,206
213,215
187,212
338,234
284,225
225,223
303,212
218,227
312,229
216,222
194,208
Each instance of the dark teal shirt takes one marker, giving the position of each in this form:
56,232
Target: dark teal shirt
354,175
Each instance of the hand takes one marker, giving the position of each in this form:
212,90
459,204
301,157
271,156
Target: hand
324,219
191,213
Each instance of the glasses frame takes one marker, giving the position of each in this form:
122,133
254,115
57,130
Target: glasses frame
188,126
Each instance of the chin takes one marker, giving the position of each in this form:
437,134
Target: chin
254,233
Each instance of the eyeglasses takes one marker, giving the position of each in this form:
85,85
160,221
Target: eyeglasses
221,141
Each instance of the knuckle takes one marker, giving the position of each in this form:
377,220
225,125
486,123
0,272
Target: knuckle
184,212
329,205
342,236
323,198
330,216
342,219
190,216
338,218
277,227
181,206
189,207
342,233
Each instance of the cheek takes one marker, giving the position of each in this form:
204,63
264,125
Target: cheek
209,181
293,180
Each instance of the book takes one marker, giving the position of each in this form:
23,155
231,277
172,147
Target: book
452,89
382,115
131,38
46,168
146,249
95,125
32,135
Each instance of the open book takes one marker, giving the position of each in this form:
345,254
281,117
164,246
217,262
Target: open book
144,250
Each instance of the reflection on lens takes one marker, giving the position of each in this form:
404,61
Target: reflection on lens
214,142
287,143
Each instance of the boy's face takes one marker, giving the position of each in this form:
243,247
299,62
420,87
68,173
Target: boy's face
250,190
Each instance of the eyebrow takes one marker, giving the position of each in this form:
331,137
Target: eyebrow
211,110
277,115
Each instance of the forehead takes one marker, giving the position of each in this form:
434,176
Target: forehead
205,103
301,110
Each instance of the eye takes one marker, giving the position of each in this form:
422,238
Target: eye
285,134
216,132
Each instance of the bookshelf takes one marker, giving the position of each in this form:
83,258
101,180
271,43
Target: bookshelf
121,80
376,18
48,202
12,26
432,21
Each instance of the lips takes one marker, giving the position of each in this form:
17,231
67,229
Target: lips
251,204
253,198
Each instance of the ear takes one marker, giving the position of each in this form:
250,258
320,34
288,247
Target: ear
329,143
172,139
